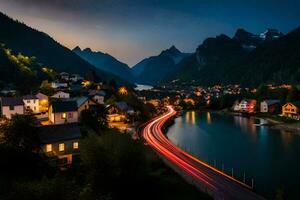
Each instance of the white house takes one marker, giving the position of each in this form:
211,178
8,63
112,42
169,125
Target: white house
61,112
268,106
99,97
61,95
11,106
31,103
75,78
56,84
64,76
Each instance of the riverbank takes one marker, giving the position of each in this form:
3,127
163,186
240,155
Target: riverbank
273,121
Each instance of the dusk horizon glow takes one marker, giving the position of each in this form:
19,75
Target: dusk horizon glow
133,30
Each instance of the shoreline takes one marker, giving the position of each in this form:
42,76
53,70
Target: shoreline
291,127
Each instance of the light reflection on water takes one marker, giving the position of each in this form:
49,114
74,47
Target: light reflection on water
269,156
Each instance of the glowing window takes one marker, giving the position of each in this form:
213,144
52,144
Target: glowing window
48,147
64,115
61,147
75,145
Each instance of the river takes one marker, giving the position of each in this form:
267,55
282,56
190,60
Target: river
271,157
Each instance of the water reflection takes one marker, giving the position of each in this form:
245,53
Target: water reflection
262,152
208,117
190,117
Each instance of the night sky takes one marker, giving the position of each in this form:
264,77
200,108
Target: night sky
131,30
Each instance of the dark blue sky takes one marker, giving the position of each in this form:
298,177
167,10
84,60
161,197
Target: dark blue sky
133,29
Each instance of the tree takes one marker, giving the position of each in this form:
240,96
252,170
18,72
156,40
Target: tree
21,132
46,88
94,118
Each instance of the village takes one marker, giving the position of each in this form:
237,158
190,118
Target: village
59,112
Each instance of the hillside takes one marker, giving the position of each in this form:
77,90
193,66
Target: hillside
155,68
22,72
222,60
105,62
21,38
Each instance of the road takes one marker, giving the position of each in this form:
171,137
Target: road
215,182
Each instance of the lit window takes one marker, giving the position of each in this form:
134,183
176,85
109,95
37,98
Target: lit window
48,147
75,145
61,147
64,115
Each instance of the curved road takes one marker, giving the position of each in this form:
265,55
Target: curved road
217,183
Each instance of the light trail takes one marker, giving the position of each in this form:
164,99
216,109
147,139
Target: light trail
219,184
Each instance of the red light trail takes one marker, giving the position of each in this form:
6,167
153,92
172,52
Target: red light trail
217,183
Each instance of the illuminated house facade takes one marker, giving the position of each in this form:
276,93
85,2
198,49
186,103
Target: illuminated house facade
11,106
61,142
61,112
291,110
31,103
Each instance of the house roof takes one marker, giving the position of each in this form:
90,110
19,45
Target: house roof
79,100
271,101
11,101
64,106
122,105
56,133
100,93
30,96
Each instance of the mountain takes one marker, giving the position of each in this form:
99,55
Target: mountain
210,61
155,68
21,38
224,60
248,40
105,62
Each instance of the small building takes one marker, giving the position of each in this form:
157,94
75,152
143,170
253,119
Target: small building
75,78
99,97
268,106
291,110
83,103
11,106
64,76
31,103
248,105
61,142
236,106
57,84
43,102
62,112
61,95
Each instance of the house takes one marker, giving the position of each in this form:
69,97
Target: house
291,110
236,106
43,102
83,103
75,78
57,84
61,142
248,105
11,106
268,106
61,112
64,76
61,95
99,97
31,103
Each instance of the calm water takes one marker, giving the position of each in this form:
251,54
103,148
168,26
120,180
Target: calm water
271,157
